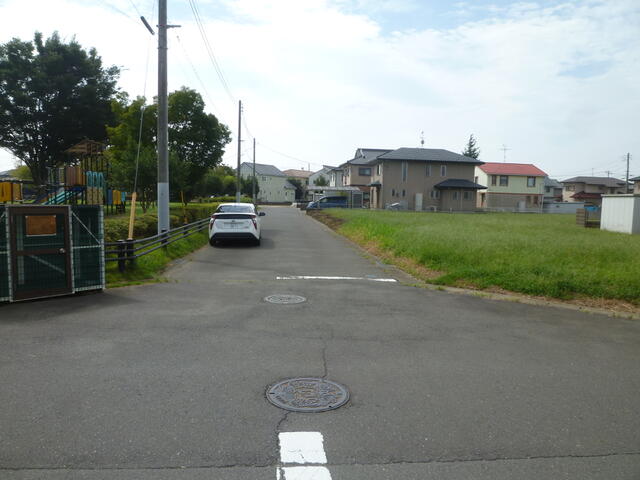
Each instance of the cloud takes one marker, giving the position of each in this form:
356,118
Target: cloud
555,81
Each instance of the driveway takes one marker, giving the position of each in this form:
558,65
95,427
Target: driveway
167,381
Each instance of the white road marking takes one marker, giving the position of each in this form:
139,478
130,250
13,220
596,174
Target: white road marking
303,473
305,448
320,277
301,447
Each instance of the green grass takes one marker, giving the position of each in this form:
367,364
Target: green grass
150,267
535,254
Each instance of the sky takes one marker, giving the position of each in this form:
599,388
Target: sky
556,82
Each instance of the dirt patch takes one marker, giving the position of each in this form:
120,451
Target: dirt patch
420,272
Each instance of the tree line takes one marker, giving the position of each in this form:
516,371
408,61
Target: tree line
54,94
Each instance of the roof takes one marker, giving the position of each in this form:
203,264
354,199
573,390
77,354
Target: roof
427,155
365,155
297,173
262,169
528,169
550,182
604,181
459,183
634,179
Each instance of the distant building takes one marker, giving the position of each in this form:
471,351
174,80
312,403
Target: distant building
591,189
324,172
273,184
511,186
552,190
636,184
302,175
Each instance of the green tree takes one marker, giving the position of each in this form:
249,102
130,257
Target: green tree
52,95
471,150
321,181
299,187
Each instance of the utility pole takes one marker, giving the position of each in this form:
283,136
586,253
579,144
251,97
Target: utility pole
163,121
626,183
253,183
239,150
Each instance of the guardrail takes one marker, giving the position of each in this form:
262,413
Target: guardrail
124,251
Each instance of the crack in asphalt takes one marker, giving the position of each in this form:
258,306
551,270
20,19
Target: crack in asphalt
337,464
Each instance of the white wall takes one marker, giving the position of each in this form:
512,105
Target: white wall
620,213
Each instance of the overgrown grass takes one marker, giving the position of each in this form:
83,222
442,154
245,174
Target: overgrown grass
150,267
535,254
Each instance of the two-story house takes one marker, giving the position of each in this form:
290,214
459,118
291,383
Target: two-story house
273,184
511,186
357,172
591,189
301,175
424,179
552,190
322,176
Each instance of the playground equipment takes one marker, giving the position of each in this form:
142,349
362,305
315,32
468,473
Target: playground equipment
10,192
84,180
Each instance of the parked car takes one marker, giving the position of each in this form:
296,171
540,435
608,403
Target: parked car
235,221
328,202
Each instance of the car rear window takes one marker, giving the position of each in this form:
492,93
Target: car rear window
235,209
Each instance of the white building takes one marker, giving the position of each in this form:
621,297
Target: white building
325,172
273,184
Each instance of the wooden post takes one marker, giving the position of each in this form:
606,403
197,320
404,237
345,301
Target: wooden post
132,215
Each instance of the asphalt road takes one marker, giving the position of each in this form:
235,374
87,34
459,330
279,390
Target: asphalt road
167,381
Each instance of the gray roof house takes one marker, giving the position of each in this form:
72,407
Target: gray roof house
591,189
424,178
357,171
324,172
273,184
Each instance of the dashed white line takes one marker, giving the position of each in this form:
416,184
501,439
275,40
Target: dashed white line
321,277
302,448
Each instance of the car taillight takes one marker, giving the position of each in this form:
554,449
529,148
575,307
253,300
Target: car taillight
213,219
255,223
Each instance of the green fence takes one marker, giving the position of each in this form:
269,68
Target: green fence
5,292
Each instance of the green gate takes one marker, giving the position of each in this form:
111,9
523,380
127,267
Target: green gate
47,251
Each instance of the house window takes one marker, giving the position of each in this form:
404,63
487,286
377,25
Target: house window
467,194
528,199
404,193
365,172
504,181
570,188
264,179
531,181
455,195
494,180
547,189
393,192
443,170
435,194
428,170
535,200
405,171
378,169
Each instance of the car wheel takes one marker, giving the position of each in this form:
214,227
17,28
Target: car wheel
213,243
257,242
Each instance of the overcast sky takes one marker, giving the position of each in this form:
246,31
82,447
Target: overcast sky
557,82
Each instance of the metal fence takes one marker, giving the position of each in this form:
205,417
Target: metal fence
127,251
5,293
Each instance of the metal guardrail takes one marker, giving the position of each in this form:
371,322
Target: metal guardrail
124,251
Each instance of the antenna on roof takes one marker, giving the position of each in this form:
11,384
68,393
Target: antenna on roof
422,139
504,152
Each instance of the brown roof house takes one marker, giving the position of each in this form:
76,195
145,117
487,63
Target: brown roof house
424,179
591,189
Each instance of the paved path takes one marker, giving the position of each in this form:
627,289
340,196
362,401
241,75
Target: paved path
167,381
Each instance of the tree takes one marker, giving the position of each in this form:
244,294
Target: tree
470,149
321,181
299,187
52,95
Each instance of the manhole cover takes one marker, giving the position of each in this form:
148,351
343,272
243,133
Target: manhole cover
284,299
308,395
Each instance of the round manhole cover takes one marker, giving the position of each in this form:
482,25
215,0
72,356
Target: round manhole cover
285,299
308,395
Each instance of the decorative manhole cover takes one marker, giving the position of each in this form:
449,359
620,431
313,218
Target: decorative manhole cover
308,395
284,299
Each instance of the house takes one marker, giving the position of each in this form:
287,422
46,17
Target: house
636,184
510,186
591,189
324,173
424,178
336,177
273,184
357,172
552,190
302,175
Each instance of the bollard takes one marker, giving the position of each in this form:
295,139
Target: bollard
130,254
121,255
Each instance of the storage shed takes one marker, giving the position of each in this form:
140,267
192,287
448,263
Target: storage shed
620,213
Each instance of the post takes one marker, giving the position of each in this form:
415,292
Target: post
130,254
626,183
121,254
132,215
253,183
163,120
239,150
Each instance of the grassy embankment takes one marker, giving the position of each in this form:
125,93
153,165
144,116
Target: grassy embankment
542,254
149,268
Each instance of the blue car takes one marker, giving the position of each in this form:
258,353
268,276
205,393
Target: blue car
329,202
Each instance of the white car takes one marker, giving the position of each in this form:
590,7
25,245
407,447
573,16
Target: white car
234,221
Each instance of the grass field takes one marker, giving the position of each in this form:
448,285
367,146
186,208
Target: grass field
535,254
